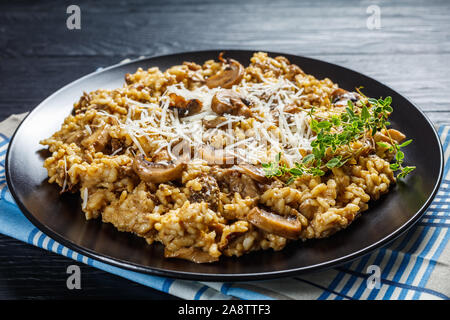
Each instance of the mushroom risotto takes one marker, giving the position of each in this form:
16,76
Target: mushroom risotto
221,159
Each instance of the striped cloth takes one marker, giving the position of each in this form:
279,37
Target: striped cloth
415,266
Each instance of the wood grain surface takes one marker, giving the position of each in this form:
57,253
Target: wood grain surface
38,55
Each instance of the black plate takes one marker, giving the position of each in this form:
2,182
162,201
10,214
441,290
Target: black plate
61,218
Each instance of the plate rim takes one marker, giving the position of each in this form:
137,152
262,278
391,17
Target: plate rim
217,276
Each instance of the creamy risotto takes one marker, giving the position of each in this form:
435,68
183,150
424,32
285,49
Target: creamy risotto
221,159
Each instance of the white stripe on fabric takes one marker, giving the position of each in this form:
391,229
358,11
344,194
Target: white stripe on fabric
36,238
401,256
45,242
387,258
426,261
414,260
341,284
185,289
55,246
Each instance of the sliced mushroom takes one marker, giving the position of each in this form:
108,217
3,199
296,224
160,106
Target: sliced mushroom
386,136
288,227
184,107
216,156
209,192
157,172
192,254
231,75
340,95
228,101
254,172
99,139
396,135
213,123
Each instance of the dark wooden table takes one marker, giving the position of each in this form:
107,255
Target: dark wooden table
39,54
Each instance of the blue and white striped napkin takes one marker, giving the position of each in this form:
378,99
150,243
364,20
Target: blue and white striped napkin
415,266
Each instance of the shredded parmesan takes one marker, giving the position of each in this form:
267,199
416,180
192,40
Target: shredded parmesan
65,176
88,129
273,129
85,198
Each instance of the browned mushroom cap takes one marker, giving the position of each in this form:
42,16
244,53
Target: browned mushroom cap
341,94
216,156
157,172
254,172
288,227
228,101
192,254
184,107
231,75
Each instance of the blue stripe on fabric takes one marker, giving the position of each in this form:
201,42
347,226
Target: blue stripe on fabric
443,203
2,143
432,263
402,285
332,286
59,249
225,287
419,261
445,146
246,294
199,293
444,189
434,224
405,261
352,279
435,211
69,254
436,217
166,285
4,137
41,240
323,288
386,270
32,235
50,244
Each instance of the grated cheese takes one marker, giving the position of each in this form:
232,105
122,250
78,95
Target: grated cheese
85,198
274,130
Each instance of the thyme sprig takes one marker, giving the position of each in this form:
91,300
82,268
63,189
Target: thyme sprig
339,132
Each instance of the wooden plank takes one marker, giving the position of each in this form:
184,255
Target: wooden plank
310,28
27,272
